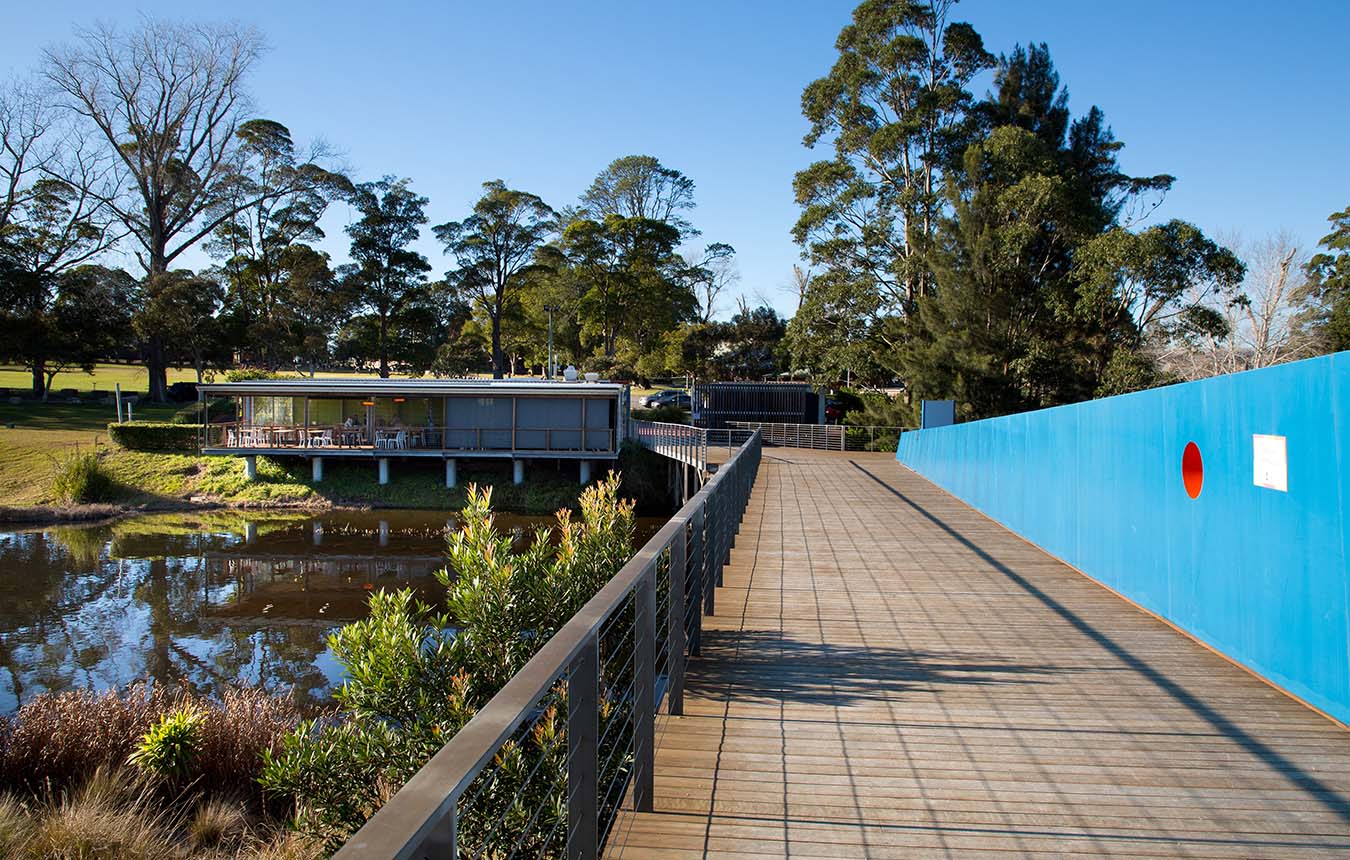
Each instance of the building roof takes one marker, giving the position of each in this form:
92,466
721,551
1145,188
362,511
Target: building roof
360,387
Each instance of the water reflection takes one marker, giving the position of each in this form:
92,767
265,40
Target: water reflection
210,598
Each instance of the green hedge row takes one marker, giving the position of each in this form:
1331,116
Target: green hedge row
154,436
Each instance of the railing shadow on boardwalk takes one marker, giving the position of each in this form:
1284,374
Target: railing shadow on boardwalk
1327,796
764,666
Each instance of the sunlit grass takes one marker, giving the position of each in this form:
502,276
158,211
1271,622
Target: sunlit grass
132,377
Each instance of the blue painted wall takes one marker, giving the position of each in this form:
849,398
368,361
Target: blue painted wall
1259,575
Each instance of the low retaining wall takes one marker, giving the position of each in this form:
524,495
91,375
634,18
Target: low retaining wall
1219,505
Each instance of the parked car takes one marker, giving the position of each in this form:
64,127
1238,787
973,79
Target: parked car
834,411
669,397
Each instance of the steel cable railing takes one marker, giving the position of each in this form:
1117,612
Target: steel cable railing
546,766
826,437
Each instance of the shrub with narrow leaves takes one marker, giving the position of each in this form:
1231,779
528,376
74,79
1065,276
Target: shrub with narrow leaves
171,746
413,680
80,478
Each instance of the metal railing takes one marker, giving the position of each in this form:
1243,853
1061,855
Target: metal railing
686,444
338,438
680,442
826,437
543,769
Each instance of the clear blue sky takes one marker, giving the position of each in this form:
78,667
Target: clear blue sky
1243,101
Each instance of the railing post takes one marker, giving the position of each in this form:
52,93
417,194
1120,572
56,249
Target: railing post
583,734
675,638
710,552
443,839
699,554
728,516
644,682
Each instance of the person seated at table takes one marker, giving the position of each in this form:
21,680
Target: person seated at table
349,422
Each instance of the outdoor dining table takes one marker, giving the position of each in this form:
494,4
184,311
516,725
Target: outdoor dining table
284,436
349,437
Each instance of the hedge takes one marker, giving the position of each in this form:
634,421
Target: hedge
220,408
153,436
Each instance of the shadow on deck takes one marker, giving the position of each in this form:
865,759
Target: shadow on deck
891,674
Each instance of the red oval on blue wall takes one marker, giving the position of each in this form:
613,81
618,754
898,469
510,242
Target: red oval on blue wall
1192,470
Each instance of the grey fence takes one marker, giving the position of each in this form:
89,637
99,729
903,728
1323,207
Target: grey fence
545,767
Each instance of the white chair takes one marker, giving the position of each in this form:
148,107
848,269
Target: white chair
401,440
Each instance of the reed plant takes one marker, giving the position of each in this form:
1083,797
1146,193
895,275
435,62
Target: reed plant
79,478
59,740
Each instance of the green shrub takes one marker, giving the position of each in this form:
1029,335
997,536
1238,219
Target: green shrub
879,409
248,374
412,682
171,746
663,414
80,478
219,409
155,436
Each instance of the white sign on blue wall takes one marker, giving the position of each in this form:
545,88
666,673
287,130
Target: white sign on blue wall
1270,462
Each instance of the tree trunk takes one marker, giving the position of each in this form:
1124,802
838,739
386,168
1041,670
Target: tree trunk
497,345
39,379
156,366
51,378
384,348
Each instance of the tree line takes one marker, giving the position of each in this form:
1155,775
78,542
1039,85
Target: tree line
992,250
988,249
144,144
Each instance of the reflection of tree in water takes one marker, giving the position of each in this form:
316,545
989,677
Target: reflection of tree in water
187,599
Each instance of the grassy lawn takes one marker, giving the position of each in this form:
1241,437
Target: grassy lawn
43,432
132,377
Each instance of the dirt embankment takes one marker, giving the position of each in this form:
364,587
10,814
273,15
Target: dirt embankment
51,515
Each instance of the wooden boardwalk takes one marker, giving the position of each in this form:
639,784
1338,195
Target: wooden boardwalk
891,674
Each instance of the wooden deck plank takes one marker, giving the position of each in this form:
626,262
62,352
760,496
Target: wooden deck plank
891,674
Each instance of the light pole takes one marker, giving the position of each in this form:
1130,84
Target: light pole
552,368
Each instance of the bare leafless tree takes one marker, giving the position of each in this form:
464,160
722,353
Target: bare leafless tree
50,222
166,99
24,123
801,283
711,273
50,219
1260,318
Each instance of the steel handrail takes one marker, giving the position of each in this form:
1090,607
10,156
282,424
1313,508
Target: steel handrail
421,819
828,437
682,442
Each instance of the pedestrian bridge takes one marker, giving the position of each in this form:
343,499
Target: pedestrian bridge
891,674
874,669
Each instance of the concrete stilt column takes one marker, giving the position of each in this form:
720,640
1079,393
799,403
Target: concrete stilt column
251,467
585,471
450,476
384,533
316,466
318,533
518,471
384,470
250,533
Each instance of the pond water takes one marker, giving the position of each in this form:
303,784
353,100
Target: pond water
210,598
